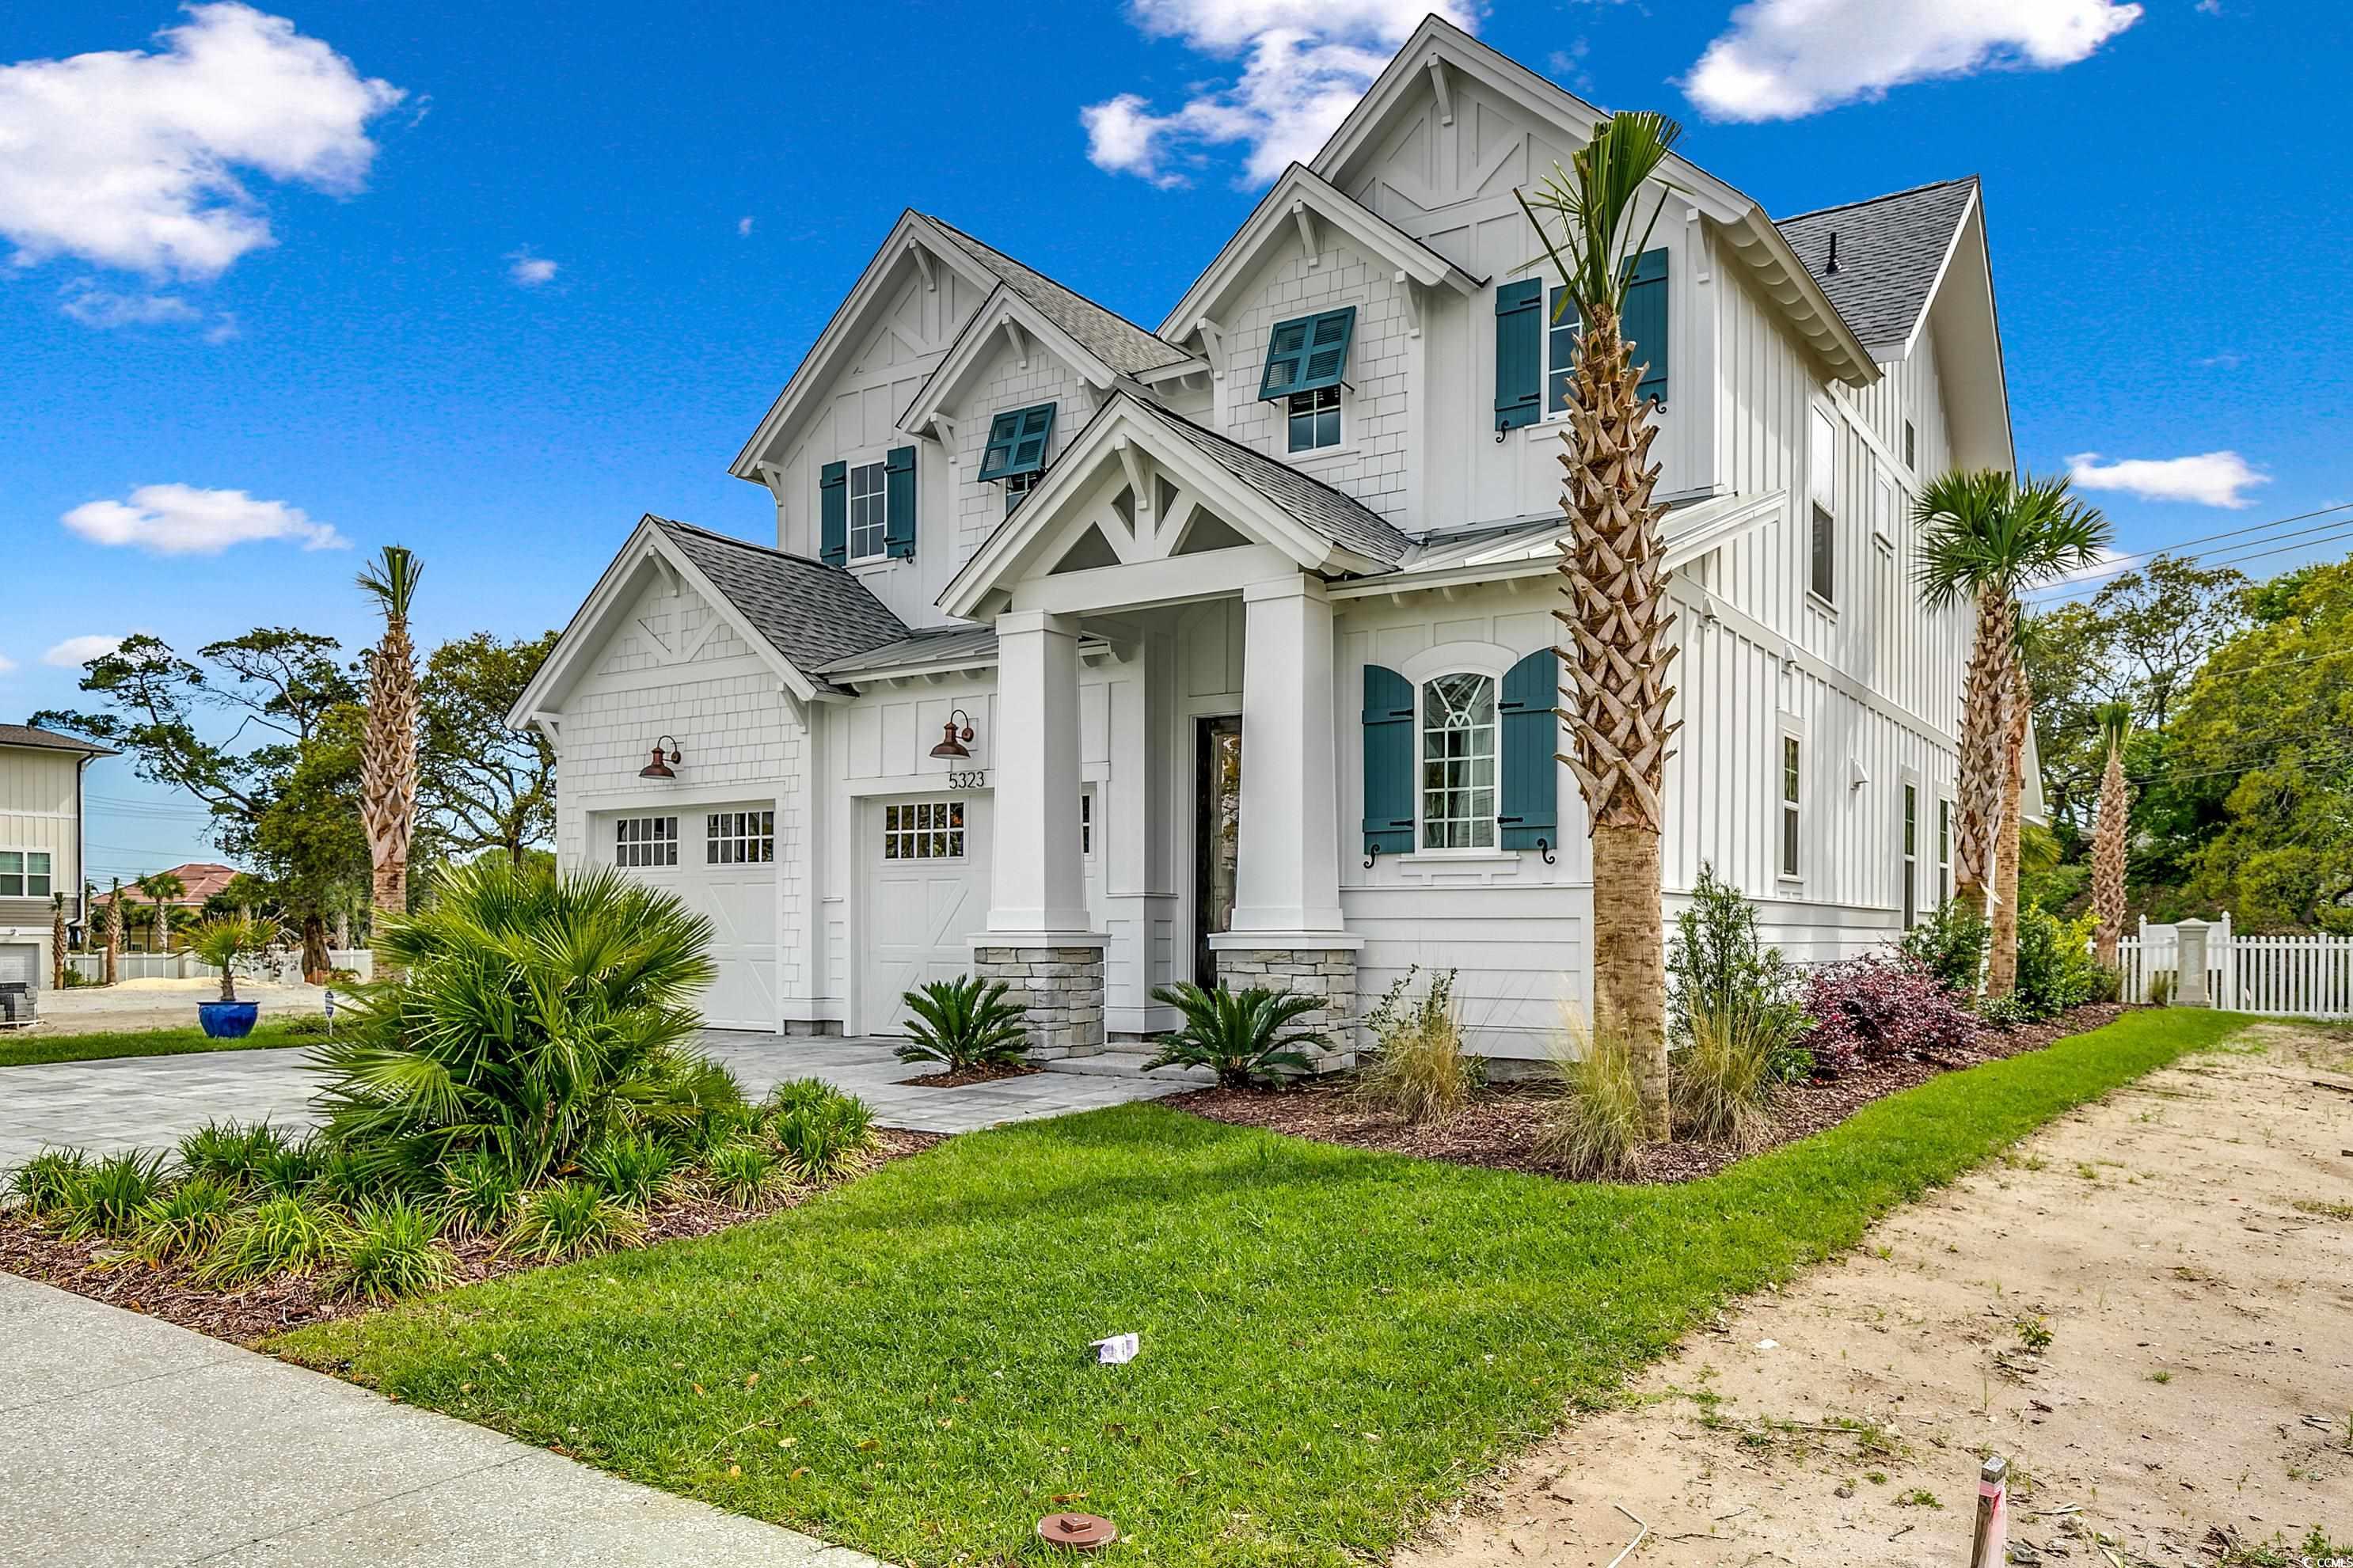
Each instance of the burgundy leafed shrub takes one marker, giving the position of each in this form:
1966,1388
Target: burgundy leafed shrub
1879,1008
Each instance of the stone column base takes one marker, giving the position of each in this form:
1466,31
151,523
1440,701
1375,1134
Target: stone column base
1329,973
1060,989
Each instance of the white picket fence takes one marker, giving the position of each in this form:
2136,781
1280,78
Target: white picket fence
91,967
2283,976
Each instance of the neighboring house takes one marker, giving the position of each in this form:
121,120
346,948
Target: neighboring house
1098,657
40,843
200,880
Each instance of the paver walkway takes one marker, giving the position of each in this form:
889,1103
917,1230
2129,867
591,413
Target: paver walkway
131,1441
146,1102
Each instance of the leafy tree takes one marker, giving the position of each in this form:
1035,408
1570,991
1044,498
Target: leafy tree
2068,654
485,786
2161,621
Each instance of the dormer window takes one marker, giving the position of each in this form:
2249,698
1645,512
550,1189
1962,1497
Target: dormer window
1018,486
1017,444
1307,353
1315,419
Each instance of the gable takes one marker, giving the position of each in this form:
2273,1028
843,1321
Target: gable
667,626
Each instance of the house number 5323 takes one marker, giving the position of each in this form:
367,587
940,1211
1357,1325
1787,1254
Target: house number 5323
976,779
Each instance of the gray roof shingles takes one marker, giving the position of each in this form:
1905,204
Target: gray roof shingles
1890,249
1119,342
1342,519
811,613
49,740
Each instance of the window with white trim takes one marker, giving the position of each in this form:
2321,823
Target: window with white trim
1943,852
1018,486
1458,762
1562,324
1911,856
1911,447
739,837
1821,478
1792,804
642,841
1315,419
924,830
870,509
25,873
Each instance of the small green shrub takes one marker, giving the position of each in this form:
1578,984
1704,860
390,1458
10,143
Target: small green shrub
345,1179
794,1094
280,1234
304,1027
721,1125
964,1023
571,1219
184,1222
824,1139
634,1169
2162,985
1238,1035
2107,983
391,1249
1416,1070
2056,969
479,1193
45,1184
108,1197
745,1176
228,1151
2002,1011
1596,1127
1718,966
1950,944
288,1169
1724,1079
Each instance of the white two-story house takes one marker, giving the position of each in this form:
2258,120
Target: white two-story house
1097,655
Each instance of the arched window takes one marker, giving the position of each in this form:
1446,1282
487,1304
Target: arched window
1458,762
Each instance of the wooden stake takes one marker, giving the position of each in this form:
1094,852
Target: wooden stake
1992,1545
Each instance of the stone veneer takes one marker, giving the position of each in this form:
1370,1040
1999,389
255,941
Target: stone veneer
1060,988
1326,972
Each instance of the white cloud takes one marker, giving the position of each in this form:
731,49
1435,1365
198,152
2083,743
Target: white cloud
743,226
94,306
6,663
2210,478
530,271
75,652
1781,59
130,158
1305,63
180,520
2224,359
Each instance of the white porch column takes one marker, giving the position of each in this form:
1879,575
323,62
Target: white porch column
1288,879
1038,940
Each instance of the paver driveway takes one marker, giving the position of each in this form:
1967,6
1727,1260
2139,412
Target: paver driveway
146,1102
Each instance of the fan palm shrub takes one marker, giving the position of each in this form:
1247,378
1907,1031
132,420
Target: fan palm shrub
1615,697
1987,538
565,1220
534,1016
964,1023
2110,832
1243,1036
224,939
391,1249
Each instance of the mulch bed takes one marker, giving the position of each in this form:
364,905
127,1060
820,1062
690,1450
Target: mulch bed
1500,1126
98,1268
963,1076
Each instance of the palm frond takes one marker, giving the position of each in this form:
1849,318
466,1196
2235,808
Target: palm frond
391,577
1595,206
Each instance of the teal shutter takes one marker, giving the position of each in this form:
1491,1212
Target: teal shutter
1308,353
1519,353
833,513
1017,441
899,503
1529,735
1643,320
1388,762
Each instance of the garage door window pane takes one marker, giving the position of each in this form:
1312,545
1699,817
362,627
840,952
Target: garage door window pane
739,837
924,830
640,841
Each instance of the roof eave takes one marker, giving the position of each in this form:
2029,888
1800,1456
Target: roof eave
966,354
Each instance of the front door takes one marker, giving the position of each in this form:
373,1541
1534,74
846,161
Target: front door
1217,835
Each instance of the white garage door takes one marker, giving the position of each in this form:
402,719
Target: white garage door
20,960
722,862
926,877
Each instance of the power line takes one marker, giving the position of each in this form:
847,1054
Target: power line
2321,533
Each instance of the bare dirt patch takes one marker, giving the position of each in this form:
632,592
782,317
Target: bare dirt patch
2148,1308
100,1268
1502,1127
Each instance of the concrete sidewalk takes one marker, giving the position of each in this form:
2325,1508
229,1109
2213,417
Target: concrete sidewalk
131,1441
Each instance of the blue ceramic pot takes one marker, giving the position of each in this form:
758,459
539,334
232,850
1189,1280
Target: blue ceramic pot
227,1020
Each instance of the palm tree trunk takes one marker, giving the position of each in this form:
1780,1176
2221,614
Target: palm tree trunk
2108,842
1629,957
317,968
57,941
2002,957
1984,724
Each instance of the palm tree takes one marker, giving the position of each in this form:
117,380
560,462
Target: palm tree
58,941
2110,832
389,750
1615,695
160,889
1988,537
113,934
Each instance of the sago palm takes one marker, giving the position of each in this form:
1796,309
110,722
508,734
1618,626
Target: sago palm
1615,695
388,749
1987,539
2110,831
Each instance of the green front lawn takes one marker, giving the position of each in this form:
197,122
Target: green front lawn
27,1048
1334,1341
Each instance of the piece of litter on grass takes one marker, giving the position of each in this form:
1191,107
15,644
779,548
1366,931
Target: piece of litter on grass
1115,1348
1768,1344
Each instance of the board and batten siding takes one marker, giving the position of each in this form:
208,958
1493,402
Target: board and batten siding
38,805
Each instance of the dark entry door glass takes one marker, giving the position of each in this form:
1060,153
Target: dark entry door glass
1217,835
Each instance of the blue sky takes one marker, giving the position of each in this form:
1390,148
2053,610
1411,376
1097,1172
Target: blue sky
480,278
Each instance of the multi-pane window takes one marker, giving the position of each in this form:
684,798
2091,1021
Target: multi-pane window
1911,856
868,510
1086,823
924,830
1943,852
1315,419
1792,794
1458,762
640,841
1821,476
1018,486
1562,323
24,873
739,837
